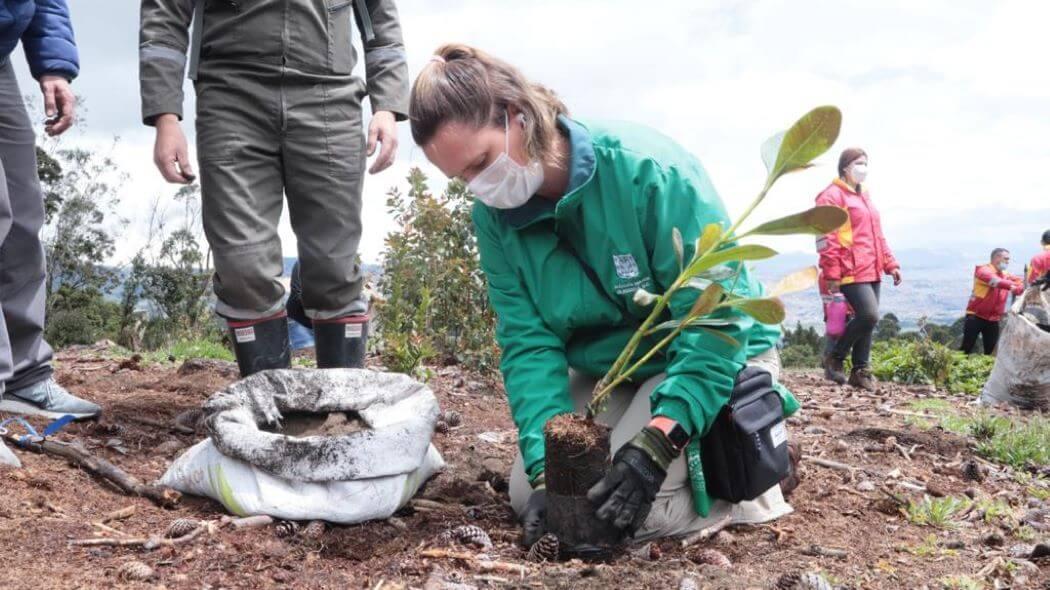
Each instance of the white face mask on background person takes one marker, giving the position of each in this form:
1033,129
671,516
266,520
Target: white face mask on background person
859,172
1003,266
506,184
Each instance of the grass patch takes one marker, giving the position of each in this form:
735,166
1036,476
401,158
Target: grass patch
936,512
187,349
961,583
1019,444
943,413
930,547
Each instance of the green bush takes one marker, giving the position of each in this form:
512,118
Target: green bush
922,361
81,316
803,347
435,301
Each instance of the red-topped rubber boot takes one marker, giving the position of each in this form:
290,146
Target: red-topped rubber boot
341,342
261,344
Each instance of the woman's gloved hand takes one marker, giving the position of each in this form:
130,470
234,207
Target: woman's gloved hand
534,519
626,494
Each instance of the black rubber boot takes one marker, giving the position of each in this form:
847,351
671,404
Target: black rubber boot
261,344
340,343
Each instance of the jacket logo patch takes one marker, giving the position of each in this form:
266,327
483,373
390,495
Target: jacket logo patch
626,266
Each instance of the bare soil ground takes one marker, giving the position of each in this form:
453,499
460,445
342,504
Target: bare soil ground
845,525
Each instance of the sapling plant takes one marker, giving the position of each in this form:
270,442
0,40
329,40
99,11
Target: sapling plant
714,263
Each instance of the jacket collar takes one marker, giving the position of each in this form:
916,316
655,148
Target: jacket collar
845,186
581,171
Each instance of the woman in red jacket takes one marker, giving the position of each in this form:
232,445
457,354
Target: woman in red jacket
853,260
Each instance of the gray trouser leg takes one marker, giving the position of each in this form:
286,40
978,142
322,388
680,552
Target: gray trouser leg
238,145
24,355
672,513
324,163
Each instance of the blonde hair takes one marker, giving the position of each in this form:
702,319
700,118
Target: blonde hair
466,85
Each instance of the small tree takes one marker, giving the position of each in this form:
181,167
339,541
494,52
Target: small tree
888,328
435,302
80,189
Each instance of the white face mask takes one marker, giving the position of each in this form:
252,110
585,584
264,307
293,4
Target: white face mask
859,172
506,184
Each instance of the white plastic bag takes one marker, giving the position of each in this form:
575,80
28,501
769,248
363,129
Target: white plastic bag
345,478
246,490
1021,375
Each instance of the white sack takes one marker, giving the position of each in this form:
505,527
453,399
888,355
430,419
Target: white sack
1021,375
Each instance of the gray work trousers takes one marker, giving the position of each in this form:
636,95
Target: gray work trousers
25,358
672,513
265,132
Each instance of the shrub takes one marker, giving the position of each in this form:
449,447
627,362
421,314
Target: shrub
435,301
926,362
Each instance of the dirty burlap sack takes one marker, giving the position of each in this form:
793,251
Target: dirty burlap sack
1021,375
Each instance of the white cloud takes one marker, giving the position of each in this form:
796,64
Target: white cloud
948,97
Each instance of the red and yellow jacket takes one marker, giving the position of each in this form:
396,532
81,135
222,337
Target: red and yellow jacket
991,289
857,252
1040,264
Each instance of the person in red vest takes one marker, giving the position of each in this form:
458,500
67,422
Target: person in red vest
1040,265
853,259
992,286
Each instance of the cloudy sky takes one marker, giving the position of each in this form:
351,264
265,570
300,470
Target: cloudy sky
949,97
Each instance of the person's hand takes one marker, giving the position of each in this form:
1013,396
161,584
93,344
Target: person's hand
534,520
833,286
626,494
60,104
382,130
898,278
170,152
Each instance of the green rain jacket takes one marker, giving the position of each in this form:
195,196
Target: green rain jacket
629,187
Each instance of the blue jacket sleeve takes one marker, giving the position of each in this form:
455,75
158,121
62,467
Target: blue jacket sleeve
48,41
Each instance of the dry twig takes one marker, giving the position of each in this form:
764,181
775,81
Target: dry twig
708,532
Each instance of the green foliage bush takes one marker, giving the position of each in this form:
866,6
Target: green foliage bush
81,316
923,361
803,347
435,305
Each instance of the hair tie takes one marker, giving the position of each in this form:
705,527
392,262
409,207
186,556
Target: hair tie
438,59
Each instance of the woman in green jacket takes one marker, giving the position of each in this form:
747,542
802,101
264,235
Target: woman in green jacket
571,219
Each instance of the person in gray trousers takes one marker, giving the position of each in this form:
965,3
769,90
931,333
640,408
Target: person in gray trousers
45,31
279,116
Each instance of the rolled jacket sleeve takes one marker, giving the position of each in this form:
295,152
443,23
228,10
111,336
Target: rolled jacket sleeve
163,44
386,65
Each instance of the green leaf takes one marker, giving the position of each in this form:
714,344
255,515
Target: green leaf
770,149
768,310
707,301
693,323
679,248
807,139
722,336
707,240
796,281
733,254
816,221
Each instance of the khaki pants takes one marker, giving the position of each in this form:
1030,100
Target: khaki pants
672,514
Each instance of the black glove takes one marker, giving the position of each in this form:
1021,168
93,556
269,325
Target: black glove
534,519
625,495
294,304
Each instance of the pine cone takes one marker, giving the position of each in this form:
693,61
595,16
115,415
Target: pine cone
314,530
287,528
808,581
181,527
469,535
972,471
546,549
452,418
711,557
134,571
441,427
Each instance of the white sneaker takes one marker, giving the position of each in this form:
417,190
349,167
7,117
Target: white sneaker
48,399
